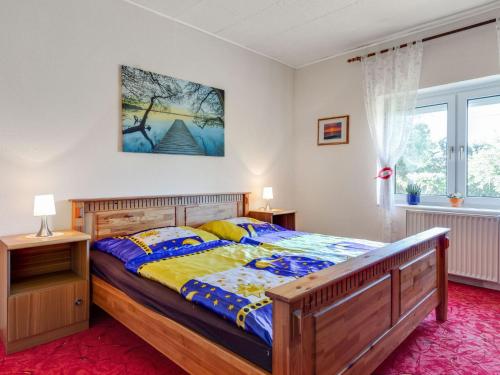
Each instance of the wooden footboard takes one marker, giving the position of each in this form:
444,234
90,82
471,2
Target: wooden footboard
347,319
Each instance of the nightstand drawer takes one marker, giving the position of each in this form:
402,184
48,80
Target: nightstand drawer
43,310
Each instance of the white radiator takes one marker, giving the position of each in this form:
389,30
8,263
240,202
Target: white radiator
474,241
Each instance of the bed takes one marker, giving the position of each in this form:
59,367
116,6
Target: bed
172,305
344,319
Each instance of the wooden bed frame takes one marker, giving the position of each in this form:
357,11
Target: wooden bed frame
344,319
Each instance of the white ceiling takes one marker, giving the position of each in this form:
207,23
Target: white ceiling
299,32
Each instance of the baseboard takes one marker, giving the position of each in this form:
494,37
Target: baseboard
474,282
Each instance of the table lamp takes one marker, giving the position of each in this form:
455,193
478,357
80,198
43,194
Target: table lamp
267,194
44,206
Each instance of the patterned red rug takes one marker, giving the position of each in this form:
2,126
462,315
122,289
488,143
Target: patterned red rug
468,343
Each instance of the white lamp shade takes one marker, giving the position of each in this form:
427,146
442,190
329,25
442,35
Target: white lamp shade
44,205
267,193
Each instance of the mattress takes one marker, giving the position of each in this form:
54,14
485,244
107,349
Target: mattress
172,305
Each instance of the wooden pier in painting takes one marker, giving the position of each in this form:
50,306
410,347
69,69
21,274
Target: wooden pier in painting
178,140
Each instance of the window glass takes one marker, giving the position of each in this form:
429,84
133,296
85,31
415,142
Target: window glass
424,161
483,147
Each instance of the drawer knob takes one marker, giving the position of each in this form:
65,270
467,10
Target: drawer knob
78,301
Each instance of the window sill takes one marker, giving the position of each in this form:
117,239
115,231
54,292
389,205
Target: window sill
458,210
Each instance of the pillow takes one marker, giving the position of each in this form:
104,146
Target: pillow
126,248
236,228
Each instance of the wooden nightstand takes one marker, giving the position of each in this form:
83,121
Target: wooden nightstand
44,288
284,218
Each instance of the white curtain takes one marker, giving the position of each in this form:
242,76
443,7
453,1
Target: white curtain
390,92
498,40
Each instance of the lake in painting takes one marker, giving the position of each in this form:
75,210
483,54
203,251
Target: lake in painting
166,115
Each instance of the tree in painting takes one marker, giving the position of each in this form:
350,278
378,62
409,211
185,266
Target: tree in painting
162,114
207,104
143,86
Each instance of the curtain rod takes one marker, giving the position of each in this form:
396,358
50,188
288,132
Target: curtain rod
358,58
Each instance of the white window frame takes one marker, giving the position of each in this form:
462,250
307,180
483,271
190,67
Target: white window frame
456,96
462,135
430,100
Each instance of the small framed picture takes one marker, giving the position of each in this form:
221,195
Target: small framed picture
333,130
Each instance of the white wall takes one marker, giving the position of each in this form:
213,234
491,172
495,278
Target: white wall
60,108
60,115
335,189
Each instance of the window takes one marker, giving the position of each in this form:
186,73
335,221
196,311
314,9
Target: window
454,144
425,157
483,147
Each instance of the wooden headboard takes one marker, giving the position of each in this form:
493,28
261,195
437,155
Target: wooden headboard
105,217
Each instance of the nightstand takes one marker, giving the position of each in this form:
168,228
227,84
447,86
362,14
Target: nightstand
284,218
44,288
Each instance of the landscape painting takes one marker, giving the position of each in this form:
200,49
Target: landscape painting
166,115
333,130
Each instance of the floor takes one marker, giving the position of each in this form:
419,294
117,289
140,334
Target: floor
468,343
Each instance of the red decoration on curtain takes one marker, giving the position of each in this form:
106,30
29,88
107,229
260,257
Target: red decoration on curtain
385,173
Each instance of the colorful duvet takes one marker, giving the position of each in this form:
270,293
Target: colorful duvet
339,249
231,279
254,232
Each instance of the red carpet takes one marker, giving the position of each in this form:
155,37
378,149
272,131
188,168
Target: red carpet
469,343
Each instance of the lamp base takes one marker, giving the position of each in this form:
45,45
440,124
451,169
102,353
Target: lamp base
268,206
44,229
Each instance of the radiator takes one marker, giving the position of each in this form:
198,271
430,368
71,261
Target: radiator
474,241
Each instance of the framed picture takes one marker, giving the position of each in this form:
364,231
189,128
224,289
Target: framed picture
333,130
167,115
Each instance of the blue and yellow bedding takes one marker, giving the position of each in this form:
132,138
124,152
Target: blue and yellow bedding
254,232
230,279
238,228
149,241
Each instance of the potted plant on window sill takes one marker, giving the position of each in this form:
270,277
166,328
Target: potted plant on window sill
413,194
456,199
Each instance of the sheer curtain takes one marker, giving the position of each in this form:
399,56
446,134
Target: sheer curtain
498,39
390,92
